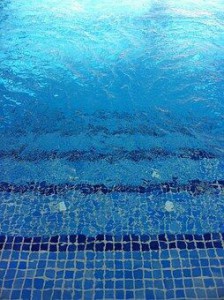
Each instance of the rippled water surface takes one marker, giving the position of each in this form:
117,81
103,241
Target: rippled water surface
112,93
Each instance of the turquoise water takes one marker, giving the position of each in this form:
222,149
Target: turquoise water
120,93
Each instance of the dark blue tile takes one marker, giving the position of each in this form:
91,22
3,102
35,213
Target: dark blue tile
127,247
37,239
154,245
118,246
45,239
2,238
218,244
189,237
145,247
172,245
99,246
136,246
64,239
191,245
163,245
215,236
54,239
200,245
100,237
207,236
145,238
180,237
108,238
9,239
90,246
126,238
82,247
44,247
35,247
181,245
135,237
89,239
27,240
8,246
72,238
209,245
162,237
171,237
17,247
198,237
53,247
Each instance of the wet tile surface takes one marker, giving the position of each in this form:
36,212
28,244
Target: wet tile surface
166,274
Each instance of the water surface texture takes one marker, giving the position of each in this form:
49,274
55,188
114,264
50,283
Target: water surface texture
110,109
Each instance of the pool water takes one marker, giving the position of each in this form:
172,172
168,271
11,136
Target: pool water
111,149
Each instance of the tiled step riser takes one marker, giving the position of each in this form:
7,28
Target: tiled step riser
111,157
111,171
193,187
113,243
113,213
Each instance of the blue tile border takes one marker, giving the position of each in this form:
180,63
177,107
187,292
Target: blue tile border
93,155
101,243
193,187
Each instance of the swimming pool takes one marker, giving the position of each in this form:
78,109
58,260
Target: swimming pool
111,153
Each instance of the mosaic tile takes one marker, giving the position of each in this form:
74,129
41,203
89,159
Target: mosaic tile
76,155
194,187
100,242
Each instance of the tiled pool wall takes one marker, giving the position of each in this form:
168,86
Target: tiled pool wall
113,238
128,267
130,263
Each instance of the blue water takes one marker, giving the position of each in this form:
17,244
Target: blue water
111,93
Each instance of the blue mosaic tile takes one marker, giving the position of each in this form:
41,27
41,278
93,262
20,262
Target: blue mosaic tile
194,187
63,244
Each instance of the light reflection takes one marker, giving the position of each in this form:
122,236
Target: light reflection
121,7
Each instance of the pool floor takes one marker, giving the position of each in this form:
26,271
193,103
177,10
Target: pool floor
152,274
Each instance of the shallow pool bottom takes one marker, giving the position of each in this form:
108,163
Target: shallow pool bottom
171,267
